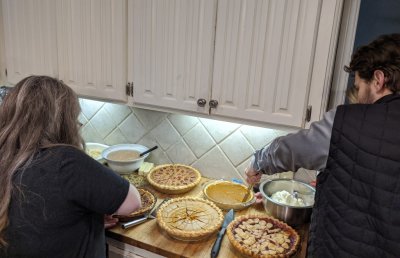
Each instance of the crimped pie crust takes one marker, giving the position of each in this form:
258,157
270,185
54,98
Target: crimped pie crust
238,225
148,201
175,178
189,218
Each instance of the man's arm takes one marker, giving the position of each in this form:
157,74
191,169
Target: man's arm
308,148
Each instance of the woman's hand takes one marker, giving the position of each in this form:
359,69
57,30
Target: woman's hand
109,221
252,176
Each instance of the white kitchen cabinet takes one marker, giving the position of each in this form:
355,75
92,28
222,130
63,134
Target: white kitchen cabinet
264,57
170,52
92,47
254,60
29,38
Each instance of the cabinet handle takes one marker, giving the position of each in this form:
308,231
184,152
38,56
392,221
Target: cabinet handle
201,102
213,103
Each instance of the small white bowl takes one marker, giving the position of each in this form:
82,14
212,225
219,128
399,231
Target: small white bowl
94,150
125,167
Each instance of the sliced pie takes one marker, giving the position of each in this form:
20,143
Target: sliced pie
174,178
262,236
148,201
189,218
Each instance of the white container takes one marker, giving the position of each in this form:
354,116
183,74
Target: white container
125,167
95,150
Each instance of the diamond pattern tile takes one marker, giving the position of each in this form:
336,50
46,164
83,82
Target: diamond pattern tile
236,148
182,123
215,164
219,129
199,140
165,134
218,149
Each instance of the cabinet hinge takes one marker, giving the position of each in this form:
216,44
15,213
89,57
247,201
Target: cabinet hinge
129,89
308,113
6,72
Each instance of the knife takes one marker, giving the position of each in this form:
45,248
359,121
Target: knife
217,245
151,215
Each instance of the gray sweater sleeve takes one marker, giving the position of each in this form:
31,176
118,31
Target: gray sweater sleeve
307,148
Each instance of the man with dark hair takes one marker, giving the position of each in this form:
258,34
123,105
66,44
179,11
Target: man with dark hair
357,149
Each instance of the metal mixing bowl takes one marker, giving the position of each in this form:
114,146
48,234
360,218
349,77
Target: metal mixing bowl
292,215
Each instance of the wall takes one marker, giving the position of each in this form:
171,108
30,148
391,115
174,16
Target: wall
218,149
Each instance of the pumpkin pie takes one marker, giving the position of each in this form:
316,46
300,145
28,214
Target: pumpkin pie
173,178
189,218
262,236
148,201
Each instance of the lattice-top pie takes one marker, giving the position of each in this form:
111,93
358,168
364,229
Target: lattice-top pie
262,236
189,218
148,201
174,178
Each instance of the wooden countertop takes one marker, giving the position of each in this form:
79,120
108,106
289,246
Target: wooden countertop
150,237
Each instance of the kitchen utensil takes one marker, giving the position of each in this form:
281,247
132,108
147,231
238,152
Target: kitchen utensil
217,244
149,150
126,166
292,215
151,215
249,189
228,195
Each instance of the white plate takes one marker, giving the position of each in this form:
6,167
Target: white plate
94,150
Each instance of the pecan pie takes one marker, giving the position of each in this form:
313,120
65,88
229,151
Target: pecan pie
262,236
174,178
189,218
148,201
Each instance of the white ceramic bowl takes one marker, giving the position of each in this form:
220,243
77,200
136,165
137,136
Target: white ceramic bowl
125,167
94,150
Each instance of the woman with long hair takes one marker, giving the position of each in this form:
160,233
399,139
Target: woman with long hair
53,197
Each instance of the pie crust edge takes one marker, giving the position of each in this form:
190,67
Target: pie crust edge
169,189
186,235
248,252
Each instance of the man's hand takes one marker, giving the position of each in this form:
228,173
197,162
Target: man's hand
252,176
109,221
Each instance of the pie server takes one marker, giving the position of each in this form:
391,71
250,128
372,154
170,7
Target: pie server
151,215
217,245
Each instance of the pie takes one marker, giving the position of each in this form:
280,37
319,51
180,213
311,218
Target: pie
262,236
148,201
174,178
189,218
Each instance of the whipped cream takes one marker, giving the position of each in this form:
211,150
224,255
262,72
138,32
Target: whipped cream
284,197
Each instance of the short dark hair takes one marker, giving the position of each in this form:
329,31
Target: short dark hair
381,54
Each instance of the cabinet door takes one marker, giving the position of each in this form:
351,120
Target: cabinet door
170,49
30,38
92,47
264,59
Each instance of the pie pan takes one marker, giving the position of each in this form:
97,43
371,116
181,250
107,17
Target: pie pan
148,201
173,178
260,236
189,218
228,195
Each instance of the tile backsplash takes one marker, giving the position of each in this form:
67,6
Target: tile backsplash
217,149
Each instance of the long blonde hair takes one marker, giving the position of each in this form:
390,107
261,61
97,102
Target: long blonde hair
39,112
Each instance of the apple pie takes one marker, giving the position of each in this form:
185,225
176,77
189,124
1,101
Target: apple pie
189,218
174,178
148,201
262,236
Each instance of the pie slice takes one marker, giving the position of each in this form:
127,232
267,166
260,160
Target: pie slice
174,178
148,201
262,236
189,218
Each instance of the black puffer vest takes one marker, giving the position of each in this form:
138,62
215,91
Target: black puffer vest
357,207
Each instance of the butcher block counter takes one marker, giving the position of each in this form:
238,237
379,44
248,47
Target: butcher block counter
150,237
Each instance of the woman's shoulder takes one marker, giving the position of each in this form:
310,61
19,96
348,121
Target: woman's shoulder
65,150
